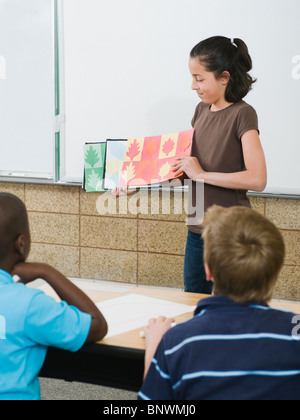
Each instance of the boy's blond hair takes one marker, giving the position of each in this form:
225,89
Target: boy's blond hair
244,252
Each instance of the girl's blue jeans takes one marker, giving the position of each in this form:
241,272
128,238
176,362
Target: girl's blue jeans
194,272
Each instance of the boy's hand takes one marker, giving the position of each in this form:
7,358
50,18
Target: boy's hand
28,272
154,333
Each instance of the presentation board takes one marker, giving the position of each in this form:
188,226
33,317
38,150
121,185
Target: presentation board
122,71
126,72
27,89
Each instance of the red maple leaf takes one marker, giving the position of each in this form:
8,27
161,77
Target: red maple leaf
168,147
133,150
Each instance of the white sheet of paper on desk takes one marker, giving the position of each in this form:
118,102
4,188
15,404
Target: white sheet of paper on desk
133,311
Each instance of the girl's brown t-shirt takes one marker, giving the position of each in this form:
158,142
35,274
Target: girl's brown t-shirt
218,147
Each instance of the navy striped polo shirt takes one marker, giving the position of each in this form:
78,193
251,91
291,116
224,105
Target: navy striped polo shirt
228,351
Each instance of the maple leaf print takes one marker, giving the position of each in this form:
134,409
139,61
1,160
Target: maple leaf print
92,157
151,147
168,147
133,150
129,173
164,170
94,180
147,174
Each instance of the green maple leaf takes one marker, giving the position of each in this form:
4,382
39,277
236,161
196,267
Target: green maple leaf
92,157
94,181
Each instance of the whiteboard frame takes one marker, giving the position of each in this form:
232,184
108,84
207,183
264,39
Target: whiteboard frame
271,191
53,176
60,176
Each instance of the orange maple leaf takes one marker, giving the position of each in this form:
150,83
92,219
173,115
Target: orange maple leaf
148,173
151,147
133,150
168,147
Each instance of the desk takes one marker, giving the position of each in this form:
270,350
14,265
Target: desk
118,361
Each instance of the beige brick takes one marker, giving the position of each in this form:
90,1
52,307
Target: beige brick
288,286
162,237
163,205
160,270
116,266
258,204
52,198
63,258
109,233
54,228
12,188
292,242
284,213
103,204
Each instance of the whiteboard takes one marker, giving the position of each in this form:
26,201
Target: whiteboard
126,73
27,89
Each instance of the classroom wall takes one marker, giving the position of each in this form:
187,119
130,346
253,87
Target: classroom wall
143,249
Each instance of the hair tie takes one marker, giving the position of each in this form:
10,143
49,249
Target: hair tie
233,43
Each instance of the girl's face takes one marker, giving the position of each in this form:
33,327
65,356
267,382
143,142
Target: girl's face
209,89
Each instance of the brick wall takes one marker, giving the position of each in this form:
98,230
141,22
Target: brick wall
142,249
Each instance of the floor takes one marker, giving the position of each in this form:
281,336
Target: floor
56,390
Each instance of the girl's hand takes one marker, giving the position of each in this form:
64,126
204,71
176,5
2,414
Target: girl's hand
122,191
189,165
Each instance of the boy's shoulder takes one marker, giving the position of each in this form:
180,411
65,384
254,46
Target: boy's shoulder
20,295
220,315
20,290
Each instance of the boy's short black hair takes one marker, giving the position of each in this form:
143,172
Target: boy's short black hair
13,221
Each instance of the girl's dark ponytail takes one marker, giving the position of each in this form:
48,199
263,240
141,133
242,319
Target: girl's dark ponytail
240,82
242,54
219,54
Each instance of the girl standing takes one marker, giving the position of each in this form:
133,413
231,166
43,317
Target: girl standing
227,153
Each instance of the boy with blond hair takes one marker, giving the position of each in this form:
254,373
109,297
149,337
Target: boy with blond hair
236,346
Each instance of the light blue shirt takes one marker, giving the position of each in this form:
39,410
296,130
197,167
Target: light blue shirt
30,322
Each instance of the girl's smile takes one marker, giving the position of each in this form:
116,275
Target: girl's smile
209,89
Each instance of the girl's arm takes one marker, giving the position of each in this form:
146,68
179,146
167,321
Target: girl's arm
254,178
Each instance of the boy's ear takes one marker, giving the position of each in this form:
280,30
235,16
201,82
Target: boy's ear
21,246
208,272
